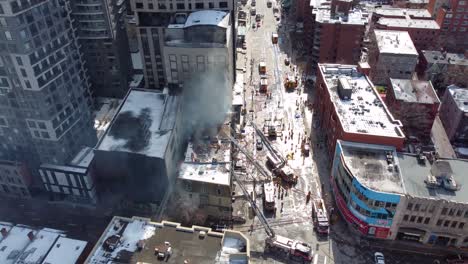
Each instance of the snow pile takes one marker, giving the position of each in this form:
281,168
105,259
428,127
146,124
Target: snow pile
134,232
232,245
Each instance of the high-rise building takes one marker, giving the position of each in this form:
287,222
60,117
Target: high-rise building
154,17
45,101
452,19
103,38
334,33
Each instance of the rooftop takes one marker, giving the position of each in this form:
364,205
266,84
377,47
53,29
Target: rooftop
395,42
83,158
211,173
15,242
414,91
364,111
374,166
65,251
408,23
403,12
208,18
435,56
321,9
39,247
24,245
134,240
460,96
143,124
414,175
204,149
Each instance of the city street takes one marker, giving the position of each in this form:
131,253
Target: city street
294,219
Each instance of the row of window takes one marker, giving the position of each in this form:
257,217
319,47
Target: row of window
451,224
181,6
416,219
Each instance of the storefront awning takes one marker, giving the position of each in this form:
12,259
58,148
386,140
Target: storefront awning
411,231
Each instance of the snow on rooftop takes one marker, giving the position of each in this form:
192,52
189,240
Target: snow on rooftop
211,173
15,242
5,225
364,112
143,125
408,23
355,17
370,165
208,18
435,56
395,42
460,96
65,251
133,232
83,158
403,12
37,250
414,91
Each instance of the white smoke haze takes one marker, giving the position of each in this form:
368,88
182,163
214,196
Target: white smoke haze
207,100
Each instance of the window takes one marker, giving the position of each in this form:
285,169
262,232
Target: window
19,61
180,6
139,5
210,5
23,73
199,5
410,206
185,63
150,6
45,135
223,5
444,211
8,35
461,225
420,219
446,223
412,218
42,125
451,212
201,63
162,6
32,124
416,207
426,221
431,209
439,222
405,218
459,212
454,224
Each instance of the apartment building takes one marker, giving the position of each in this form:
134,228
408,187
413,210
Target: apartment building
138,155
154,17
73,182
444,69
391,55
452,17
389,195
434,6
15,179
103,38
334,32
454,114
419,24
44,89
416,104
351,109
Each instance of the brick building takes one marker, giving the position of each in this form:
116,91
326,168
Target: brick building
419,24
444,69
391,55
454,114
15,179
333,32
351,109
452,17
415,104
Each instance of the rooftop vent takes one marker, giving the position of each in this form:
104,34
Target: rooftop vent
442,176
344,89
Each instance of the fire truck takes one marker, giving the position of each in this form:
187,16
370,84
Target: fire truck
291,82
263,84
269,196
320,217
262,67
289,248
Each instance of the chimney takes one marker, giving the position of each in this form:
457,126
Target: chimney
4,232
31,235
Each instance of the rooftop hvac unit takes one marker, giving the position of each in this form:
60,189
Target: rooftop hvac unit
431,181
344,89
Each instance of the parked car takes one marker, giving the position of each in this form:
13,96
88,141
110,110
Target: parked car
379,258
259,144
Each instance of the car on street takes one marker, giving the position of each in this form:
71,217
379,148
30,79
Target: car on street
379,258
259,144
286,62
253,3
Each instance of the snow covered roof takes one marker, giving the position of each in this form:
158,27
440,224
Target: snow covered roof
395,42
65,251
414,91
5,227
460,96
37,250
15,242
208,18
364,112
126,234
143,124
211,173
